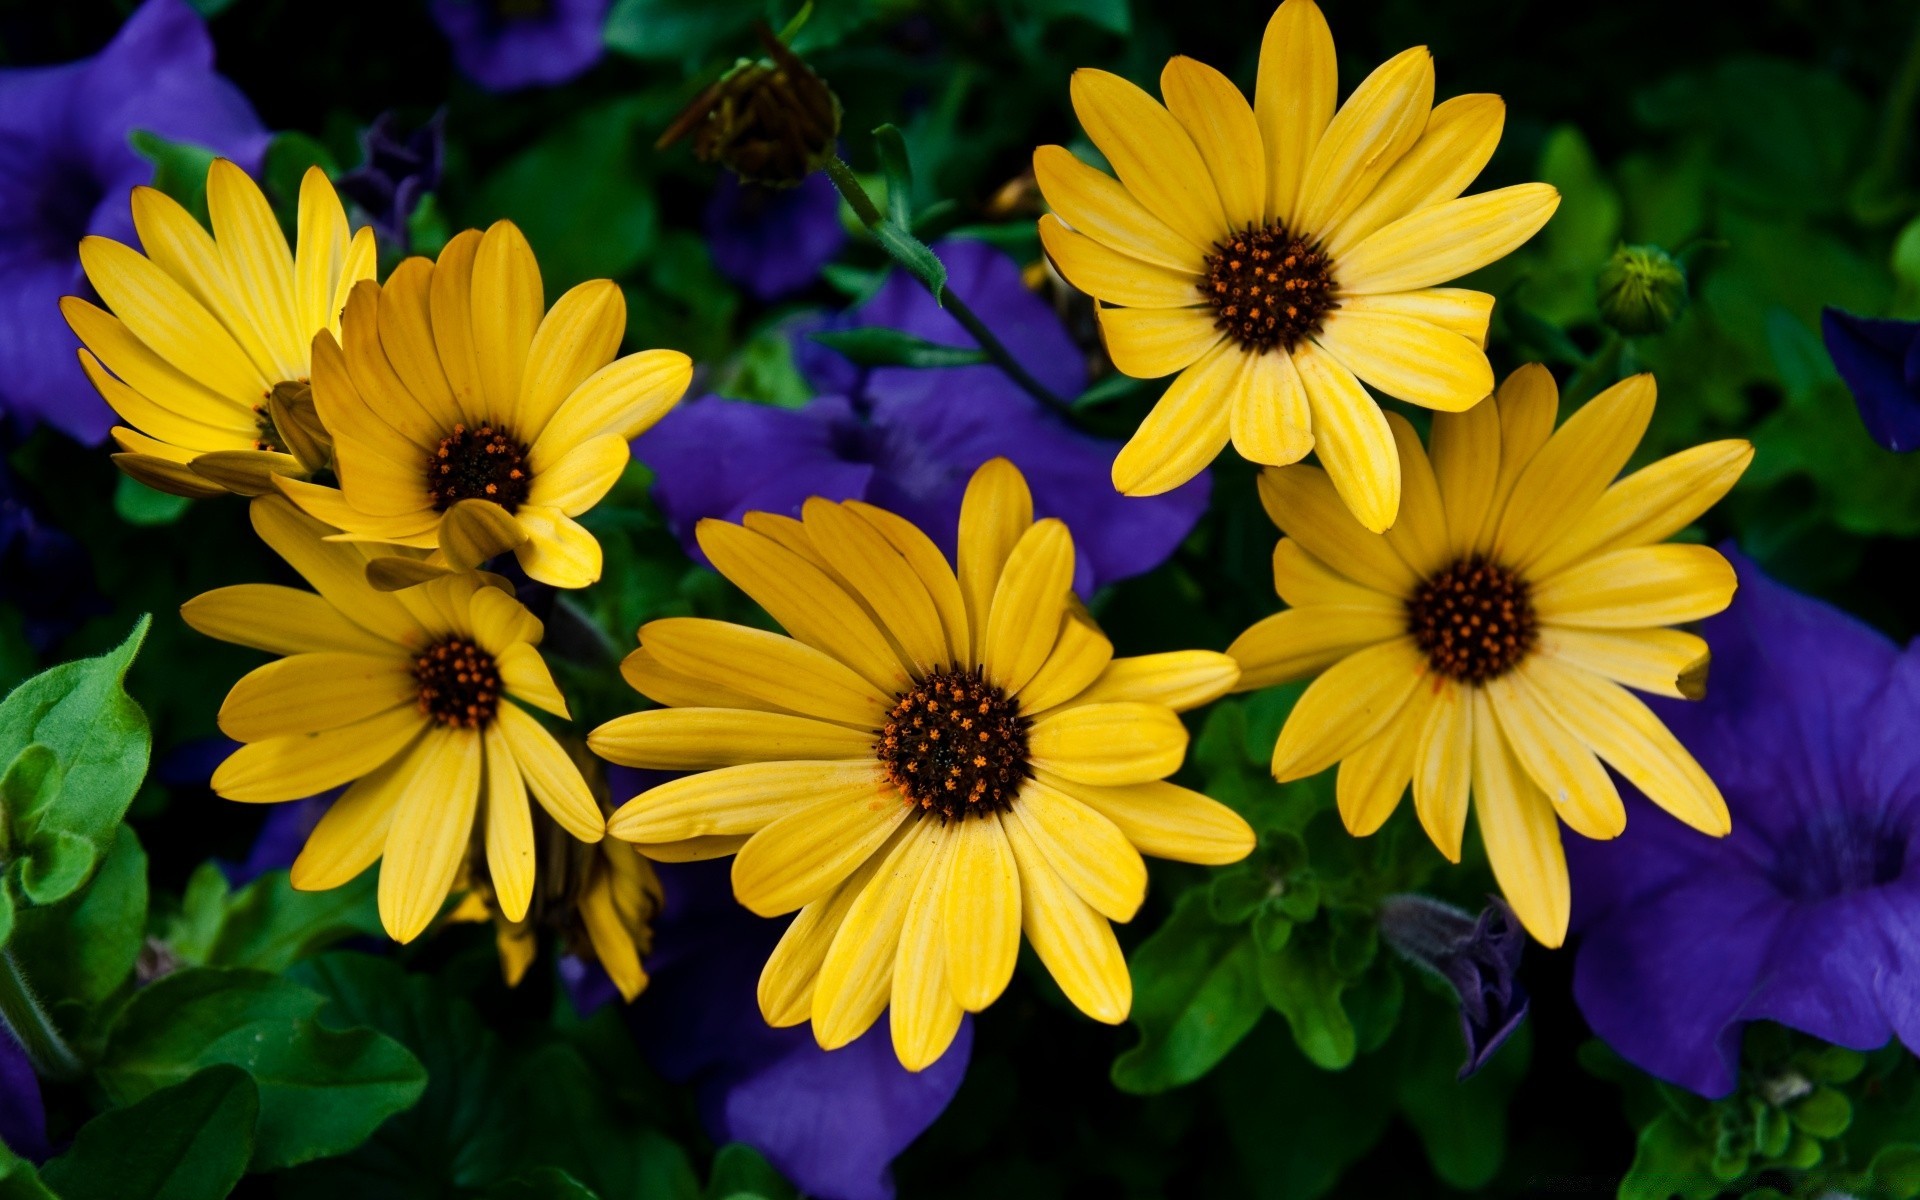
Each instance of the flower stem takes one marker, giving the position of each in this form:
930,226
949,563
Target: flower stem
31,1025
870,215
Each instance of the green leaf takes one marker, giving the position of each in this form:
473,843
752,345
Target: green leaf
1896,1170
1583,232
876,347
541,1183
190,1141
81,713
1825,1113
1300,980
83,949
897,166
1196,994
1462,1123
138,504
322,1091
579,1126
741,1173
683,31
1669,1161
268,925
911,253
18,1179
179,169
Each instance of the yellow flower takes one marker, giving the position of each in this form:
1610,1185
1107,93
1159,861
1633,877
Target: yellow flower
468,423
1277,255
1480,645
206,350
931,763
405,696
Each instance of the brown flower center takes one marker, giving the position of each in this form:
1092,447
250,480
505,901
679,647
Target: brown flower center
956,744
484,463
1270,289
459,683
267,434
1474,620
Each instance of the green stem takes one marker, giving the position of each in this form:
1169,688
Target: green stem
870,215
32,1027
1597,372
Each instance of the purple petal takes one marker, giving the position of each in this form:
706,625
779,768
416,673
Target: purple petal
1877,359
505,52
23,1114
773,241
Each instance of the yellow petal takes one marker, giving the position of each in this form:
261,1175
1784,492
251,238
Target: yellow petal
1633,741
924,1017
153,376
1116,278
373,374
1079,657
1408,358
766,665
1293,99
473,531
1352,439
1638,586
432,825
175,242
1572,471
1168,821
1666,662
1521,835
280,620
509,829
1114,743
1445,241
578,337
507,303
1457,310
310,692
1147,343
803,855
739,800
306,764
627,396
361,263
524,674
558,550
1373,778
499,620
994,515
320,252
350,418
1466,466
1653,503
1347,705
1443,767
1528,401
1179,679
699,739
1220,122
165,475
245,472
450,309
695,849
1086,850
881,577
1029,604
352,833
1459,138
1150,153
1186,430
982,914
927,561
1419,534
1271,422
787,981
1304,581
857,974
161,313
1074,942
406,337
1299,642
579,480
254,252
645,674
1092,202
551,776
1565,771
1378,124
337,571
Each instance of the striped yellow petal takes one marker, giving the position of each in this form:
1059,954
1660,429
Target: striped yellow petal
450,307
163,315
509,829
738,800
927,561
1414,360
1351,437
1460,136
152,376
1565,771
1220,122
775,668
1087,851
578,336
1116,278
1299,642
1293,99
1303,581
1094,203
1445,241
1353,700
1074,942
627,396
1186,430
352,833
800,857
1179,679
924,1017
254,252
1271,422
786,982
1028,605
1653,503
432,825
1666,662
1372,779
1521,835
1118,742
406,336
177,244
1465,452
165,474
320,252
1572,471
551,776
1457,310
1150,153
558,550
336,571
1303,503
699,739
1379,123
310,692
473,531
576,481
1168,821
1443,768
1147,343
280,620
1079,657
645,674
507,304
857,974
525,676
881,577
305,764
982,914
1638,586
995,512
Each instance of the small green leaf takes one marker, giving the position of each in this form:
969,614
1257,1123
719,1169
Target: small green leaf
911,253
84,948
876,347
190,1141
741,1172
268,925
18,1179
57,864
179,169
1824,1113
1669,1161
541,1183
137,504
1896,1170
1301,982
1195,996
897,166
30,784
322,1092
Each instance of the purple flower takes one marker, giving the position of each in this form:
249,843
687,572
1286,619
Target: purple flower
908,439
1880,362
773,241
23,1114
830,1121
66,166
1476,956
398,169
505,45
1808,913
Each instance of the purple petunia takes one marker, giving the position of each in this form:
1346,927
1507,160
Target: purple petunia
23,1113
1477,956
399,167
908,439
1880,362
773,241
66,166
1808,913
506,45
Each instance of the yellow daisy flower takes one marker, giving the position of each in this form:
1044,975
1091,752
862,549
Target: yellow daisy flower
1278,255
404,696
1480,646
937,759
470,420
205,351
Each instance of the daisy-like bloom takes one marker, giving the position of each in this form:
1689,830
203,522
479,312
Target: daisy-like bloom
468,419
1480,646
1279,255
938,758
206,350
407,696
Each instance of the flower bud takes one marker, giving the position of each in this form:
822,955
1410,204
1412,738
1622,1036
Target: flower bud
771,121
1641,290
1476,955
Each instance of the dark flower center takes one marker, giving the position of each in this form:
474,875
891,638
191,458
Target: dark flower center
956,745
459,683
1474,621
486,463
1839,852
1270,289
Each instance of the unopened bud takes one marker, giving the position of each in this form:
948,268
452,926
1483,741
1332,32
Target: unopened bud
1641,290
297,422
770,121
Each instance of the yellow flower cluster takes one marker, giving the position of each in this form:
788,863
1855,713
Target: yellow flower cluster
935,758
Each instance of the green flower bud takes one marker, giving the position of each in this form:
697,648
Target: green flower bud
771,121
1641,290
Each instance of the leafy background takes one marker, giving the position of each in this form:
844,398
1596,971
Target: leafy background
1277,1050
